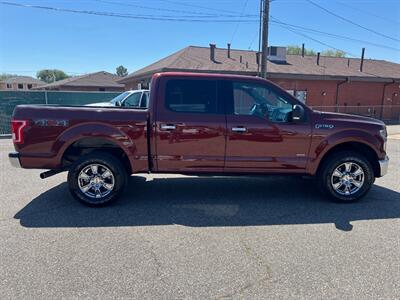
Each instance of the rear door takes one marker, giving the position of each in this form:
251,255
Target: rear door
190,126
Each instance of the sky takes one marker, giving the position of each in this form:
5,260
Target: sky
32,39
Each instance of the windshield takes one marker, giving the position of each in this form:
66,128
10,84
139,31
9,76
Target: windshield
119,98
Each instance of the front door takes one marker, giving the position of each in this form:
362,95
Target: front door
260,134
190,127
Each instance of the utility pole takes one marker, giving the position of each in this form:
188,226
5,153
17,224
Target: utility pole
264,39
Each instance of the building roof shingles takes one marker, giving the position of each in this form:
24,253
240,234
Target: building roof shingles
98,79
193,58
23,79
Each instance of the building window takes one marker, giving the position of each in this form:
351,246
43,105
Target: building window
20,86
291,92
29,86
301,96
102,89
192,96
9,85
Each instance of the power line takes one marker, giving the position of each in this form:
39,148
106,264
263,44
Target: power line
275,20
204,7
199,6
369,13
253,39
237,25
201,14
352,22
128,16
315,40
185,19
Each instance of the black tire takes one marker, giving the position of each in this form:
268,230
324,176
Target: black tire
326,180
103,161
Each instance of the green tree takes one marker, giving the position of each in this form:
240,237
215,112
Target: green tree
296,50
335,53
51,75
121,71
6,75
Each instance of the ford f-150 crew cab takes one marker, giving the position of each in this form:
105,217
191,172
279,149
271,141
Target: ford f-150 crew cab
200,124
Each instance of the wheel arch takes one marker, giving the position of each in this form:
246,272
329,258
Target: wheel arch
72,144
87,145
359,147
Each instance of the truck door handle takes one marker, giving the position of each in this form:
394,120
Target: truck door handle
239,129
168,127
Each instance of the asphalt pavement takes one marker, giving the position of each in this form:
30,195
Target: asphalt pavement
174,237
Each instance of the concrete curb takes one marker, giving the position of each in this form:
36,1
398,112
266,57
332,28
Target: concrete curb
5,136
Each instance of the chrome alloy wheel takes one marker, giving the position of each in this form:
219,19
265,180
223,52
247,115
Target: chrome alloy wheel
96,181
347,178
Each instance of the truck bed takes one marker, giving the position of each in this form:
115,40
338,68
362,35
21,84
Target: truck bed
51,129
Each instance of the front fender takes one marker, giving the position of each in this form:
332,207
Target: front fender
320,147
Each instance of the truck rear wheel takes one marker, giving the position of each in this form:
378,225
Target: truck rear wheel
346,176
97,179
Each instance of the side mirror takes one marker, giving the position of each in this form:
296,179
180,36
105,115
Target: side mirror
118,103
298,114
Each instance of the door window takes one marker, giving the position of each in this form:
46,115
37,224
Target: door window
191,96
133,100
260,101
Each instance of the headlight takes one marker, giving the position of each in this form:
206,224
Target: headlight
383,133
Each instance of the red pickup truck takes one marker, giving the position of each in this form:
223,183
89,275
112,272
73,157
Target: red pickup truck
201,124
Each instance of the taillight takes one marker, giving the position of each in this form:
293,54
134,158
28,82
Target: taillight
17,127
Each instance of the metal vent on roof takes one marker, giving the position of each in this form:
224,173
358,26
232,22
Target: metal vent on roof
277,54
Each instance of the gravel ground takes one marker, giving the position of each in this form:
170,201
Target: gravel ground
198,238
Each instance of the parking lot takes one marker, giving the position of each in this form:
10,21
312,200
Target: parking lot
202,238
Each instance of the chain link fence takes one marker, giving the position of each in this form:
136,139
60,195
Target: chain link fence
10,99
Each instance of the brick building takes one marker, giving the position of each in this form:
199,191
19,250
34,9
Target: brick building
369,87
20,83
99,81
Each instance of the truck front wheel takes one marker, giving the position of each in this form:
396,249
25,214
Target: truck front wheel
97,179
346,176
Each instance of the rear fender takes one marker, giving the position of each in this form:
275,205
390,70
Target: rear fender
94,130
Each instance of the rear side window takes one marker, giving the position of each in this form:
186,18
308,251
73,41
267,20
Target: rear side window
192,96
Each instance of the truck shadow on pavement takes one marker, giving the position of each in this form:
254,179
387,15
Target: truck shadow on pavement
206,201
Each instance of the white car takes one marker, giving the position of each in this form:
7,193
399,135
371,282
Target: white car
135,98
